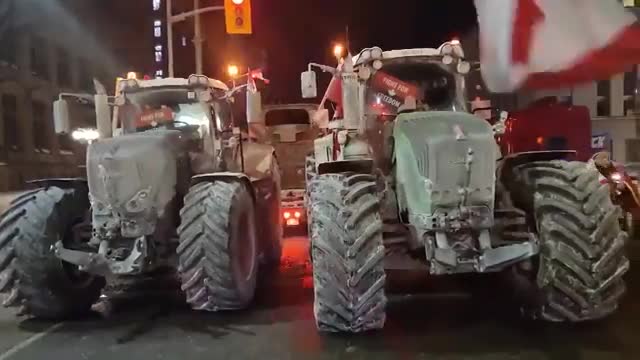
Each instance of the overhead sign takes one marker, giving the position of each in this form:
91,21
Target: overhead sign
155,117
393,87
600,141
389,93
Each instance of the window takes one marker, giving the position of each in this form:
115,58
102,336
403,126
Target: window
8,46
159,73
38,54
158,56
157,31
604,98
287,117
631,83
157,23
10,119
40,126
156,5
64,74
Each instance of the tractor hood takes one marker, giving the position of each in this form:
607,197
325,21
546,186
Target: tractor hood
132,178
445,162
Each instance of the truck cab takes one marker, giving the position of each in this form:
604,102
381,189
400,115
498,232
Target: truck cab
290,130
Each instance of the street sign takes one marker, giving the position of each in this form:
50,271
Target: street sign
600,141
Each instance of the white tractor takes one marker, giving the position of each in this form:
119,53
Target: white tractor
179,189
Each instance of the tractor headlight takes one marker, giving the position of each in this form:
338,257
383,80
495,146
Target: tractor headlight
463,67
198,80
85,135
376,53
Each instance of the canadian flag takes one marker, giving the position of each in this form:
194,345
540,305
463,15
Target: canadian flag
334,94
554,43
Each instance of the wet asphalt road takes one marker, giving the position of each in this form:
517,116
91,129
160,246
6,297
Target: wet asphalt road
461,318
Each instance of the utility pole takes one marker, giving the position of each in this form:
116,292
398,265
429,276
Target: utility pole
170,36
197,39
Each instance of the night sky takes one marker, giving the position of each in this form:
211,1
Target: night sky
295,32
290,33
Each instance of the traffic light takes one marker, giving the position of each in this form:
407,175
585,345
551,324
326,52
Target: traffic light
237,14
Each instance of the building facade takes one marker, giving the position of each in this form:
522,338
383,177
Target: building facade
39,59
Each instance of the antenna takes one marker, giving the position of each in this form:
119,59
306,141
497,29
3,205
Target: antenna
347,42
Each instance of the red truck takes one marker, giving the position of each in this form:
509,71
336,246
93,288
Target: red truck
549,125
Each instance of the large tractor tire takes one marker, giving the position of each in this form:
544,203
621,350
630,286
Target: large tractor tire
218,250
46,286
348,253
579,272
8,234
309,174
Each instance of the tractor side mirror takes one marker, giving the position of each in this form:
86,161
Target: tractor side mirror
320,118
309,84
504,115
103,116
61,121
500,126
254,107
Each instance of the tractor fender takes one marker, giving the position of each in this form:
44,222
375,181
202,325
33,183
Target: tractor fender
262,194
79,184
225,176
509,162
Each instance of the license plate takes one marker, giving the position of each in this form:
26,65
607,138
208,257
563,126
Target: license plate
293,222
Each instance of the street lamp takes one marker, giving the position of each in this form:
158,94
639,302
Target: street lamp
338,50
232,70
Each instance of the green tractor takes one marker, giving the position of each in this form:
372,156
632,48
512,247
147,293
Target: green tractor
406,178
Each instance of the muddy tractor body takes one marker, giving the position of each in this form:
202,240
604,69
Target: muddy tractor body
408,178
179,189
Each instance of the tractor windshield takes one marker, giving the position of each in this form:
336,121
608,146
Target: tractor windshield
168,108
402,82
